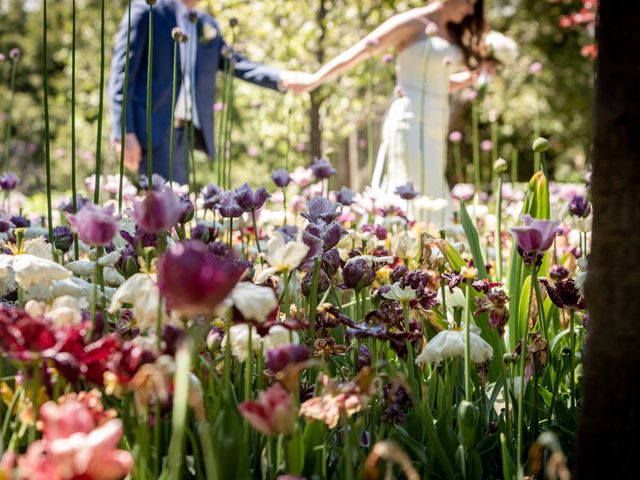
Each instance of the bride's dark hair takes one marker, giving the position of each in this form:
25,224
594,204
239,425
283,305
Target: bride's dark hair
468,35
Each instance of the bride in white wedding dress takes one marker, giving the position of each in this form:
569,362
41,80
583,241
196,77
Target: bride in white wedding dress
439,50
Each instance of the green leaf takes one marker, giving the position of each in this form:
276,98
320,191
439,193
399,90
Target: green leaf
474,241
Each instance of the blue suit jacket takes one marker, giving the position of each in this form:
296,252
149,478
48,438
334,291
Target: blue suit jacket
209,60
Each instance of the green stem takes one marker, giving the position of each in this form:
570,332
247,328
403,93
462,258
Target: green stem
476,144
457,158
423,83
74,188
123,119
148,106
572,378
96,193
523,355
467,346
7,136
498,239
47,146
370,116
173,107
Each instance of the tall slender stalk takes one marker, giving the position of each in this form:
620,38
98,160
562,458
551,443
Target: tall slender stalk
423,83
96,193
498,238
514,166
74,190
370,115
149,76
173,107
47,146
467,345
7,135
457,159
123,119
476,143
523,355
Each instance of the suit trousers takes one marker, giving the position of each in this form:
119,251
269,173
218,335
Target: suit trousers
184,137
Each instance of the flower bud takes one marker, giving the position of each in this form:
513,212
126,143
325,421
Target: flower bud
540,145
177,34
500,165
468,416
151,3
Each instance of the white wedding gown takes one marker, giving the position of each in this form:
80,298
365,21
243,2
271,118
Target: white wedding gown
410,152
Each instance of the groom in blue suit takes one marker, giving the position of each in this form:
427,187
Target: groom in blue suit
200,58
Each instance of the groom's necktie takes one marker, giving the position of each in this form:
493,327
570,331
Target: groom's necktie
186,108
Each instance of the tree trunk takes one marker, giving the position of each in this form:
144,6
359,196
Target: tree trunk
610,419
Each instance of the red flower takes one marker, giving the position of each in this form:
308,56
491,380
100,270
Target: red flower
272,413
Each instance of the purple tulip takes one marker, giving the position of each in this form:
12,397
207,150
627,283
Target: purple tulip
96,226
249,200
278,358
321,209
158,211
211,196
204,233
406,192
67,205
331,261
8,182
192,280
564,294
330,233
228,205
579,206
345,196
281,177
157,182
535,235
188,210
322,168
558,272
15,54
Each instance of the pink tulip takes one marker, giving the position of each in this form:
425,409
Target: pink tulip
272,413
73,446
94,225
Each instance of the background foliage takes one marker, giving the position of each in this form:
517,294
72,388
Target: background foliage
299,35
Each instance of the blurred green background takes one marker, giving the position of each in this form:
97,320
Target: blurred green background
295,34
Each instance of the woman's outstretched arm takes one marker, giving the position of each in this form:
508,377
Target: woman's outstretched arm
397,30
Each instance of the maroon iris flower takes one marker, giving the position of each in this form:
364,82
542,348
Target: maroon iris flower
564,294
193,280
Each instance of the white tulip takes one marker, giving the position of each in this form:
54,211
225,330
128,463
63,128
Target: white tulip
406,244
253,301
282,256
278,336
141,291
30,270
451,343
239,339
402,295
